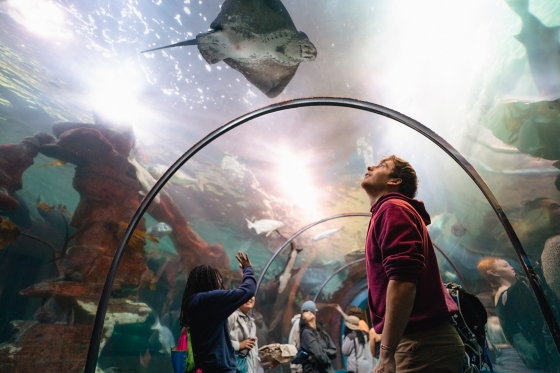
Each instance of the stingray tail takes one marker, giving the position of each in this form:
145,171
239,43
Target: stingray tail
180,44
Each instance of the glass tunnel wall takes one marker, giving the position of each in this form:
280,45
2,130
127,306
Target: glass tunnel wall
88,123
301,268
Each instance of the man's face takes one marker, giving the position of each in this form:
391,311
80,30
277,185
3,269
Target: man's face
377,177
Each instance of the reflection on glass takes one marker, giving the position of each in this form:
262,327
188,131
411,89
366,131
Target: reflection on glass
519,316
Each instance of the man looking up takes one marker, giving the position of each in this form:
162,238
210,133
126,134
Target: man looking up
409,305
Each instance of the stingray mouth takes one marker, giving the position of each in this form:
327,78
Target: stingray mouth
308,52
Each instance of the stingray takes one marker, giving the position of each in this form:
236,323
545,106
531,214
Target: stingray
542,47
257,38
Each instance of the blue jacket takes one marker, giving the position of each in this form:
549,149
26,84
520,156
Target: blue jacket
209,329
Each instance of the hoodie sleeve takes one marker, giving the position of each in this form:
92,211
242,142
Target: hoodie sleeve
331,348
220,304
401,244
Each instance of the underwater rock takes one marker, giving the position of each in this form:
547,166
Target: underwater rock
108,197
61,289
14,160
121,138
119,312
52,347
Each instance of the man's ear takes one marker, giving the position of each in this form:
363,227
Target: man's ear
394,182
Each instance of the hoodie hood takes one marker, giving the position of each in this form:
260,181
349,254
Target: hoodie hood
416,205
296,318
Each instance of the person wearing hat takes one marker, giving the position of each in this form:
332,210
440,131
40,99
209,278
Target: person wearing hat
315,341
356,346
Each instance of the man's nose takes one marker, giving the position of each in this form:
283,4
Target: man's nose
370,168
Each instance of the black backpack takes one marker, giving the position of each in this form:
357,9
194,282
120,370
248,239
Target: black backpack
470,323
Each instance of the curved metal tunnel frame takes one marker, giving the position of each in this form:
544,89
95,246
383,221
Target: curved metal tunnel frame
295,235
93,350
339,269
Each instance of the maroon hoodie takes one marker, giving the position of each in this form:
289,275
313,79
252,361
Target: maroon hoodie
398,247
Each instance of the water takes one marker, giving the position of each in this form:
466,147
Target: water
457,68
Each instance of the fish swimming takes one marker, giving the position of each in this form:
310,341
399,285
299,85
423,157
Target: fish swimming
326,234
179,178
46,208
257,38
159,230
138,238
265,225
287,272
542,47
165,337
56,163
9,232
144,177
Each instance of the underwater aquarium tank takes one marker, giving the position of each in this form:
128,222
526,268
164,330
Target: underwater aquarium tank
99,98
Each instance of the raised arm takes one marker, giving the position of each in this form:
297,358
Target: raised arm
222,303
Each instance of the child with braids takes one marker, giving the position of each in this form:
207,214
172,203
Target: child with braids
205,310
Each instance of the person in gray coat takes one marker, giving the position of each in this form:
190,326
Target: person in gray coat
356,346
242,331
315,341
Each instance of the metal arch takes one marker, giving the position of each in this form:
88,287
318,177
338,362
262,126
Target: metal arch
93,350
334,274
362,259
289,240
465,286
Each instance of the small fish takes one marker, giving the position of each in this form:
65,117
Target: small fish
147,279
450,276
159,230
326,234
9,232
46,208
56,163
143,176
43,206
179,178
265,225
165,337
145,360
138,238
287,273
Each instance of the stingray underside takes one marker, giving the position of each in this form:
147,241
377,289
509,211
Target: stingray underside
256,16
267,75
210,51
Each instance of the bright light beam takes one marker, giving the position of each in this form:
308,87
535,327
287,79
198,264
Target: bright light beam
295,180
43,18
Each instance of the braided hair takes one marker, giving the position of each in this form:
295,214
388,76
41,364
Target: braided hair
201,279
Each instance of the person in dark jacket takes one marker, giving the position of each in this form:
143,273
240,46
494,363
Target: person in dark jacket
315,341
407,300
205,310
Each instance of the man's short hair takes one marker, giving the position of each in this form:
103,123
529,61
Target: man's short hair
404,171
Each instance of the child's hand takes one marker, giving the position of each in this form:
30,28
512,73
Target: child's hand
243,260
247,344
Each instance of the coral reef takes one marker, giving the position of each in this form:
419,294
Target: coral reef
14,160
